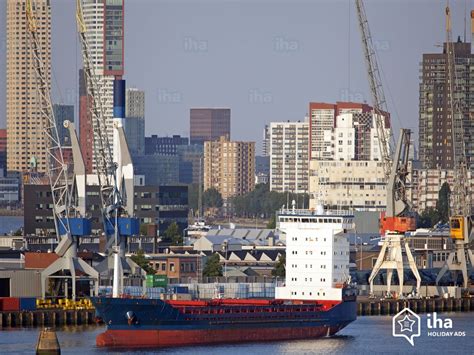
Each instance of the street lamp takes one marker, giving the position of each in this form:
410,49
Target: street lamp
360,259
225,248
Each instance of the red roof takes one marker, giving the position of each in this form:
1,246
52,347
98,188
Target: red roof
39,260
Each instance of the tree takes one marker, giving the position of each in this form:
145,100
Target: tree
193,196
144,229
213,268
428,218
272,222
140,260
279,269
173,234
212,198
442,205
262,201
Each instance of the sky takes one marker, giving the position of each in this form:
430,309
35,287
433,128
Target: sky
266,60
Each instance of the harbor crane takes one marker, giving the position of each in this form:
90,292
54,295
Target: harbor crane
460,220
68,194
396,220
117,217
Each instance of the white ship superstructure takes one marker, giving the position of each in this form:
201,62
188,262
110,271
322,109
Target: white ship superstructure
317,254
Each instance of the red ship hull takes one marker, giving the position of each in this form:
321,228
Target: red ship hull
170,338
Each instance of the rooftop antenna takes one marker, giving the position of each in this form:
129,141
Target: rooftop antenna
465,20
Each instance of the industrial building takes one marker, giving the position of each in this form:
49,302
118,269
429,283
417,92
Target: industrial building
159,205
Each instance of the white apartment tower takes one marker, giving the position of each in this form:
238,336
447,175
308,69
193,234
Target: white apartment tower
104,23
289,156
345,169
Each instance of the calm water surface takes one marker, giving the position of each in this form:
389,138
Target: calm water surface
364,336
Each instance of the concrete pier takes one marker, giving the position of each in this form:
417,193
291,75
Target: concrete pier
44,318
368,307
48,343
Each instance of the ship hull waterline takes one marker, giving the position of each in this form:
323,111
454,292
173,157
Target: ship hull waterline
168,329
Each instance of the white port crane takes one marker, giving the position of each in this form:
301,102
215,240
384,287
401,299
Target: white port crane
118,222
68,211
396,220
460,220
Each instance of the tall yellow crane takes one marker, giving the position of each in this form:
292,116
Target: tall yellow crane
460,220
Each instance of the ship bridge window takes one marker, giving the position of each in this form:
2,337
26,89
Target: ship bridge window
304,220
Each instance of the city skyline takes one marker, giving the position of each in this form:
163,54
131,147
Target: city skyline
251,68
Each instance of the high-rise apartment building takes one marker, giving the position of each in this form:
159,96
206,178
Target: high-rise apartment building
3,150
435,124
322,120
104,20
229,166
25,140
135,103
134,122
425,189
289,156
266,141
345,169
209,124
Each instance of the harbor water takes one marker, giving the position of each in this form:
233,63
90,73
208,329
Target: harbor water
365,335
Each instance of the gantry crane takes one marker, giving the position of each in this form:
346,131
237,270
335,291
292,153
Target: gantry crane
396,220
69,212
118,222
460,220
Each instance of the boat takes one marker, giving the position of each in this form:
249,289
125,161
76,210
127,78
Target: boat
316,299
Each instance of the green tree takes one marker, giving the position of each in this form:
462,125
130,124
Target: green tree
272,222
263,202
144,229
213,268
193,196
140,260
212,198
279,269
428,218
173,234
442,205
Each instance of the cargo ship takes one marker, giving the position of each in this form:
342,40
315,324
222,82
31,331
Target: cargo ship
316,299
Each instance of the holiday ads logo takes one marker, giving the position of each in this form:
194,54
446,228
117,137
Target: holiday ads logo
407,324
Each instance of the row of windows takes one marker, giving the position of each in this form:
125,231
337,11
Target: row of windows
315,220
294,293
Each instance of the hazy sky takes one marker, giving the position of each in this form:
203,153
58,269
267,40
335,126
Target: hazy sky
266,60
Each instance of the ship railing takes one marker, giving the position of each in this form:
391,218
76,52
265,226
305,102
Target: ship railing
313,212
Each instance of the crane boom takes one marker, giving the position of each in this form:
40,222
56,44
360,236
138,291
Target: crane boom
461,204
376,89
55,165
106,168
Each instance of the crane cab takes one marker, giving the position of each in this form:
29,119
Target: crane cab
460,227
